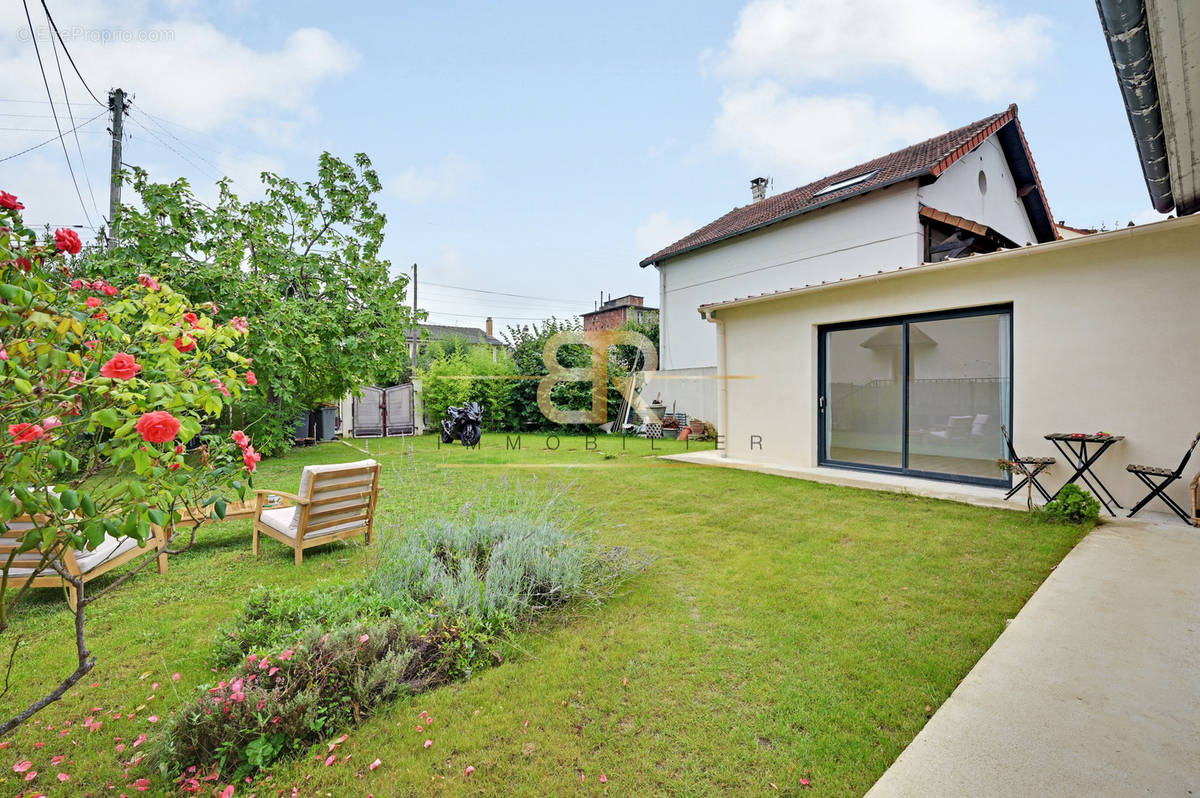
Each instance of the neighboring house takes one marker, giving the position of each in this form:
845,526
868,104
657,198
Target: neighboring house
1066,231
911,370
973,189
616,313
473,336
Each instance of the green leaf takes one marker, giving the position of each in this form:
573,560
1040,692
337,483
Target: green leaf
87,505
157,516
188,428
219,509
24,386
69,498
107,418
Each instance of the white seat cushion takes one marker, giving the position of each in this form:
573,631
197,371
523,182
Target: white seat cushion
110,548
284,520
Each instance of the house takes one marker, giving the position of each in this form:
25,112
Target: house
472,336
911,370
972,189
616,313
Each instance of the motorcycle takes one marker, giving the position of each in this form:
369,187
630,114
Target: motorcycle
463,424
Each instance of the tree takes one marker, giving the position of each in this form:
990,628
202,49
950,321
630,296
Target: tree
303,263
102,387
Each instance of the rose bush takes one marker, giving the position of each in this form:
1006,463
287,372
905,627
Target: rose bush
101,402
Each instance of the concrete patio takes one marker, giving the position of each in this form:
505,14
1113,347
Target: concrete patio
1093,689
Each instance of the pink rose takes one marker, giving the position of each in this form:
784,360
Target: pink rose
122,366
68,241
158,426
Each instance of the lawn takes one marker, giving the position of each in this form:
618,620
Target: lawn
787,631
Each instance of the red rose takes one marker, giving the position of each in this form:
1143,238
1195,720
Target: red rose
68,241
190,318
148,282
122,366
179,449
174,466
10,201
184,344
240,438
24,265
76,284
94,302
24,433
110,290
158,426
102,315
251,379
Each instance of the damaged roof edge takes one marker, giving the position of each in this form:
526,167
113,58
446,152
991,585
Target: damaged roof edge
1127,32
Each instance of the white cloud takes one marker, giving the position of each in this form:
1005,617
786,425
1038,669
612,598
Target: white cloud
447,179
952,47
245,170
802,138
661,230
184,68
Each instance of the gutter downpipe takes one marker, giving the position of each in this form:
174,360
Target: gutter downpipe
722,384
1127,32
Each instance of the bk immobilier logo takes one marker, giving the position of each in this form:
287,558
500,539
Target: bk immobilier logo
598,342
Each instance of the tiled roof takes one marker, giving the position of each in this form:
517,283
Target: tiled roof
930,157
474,335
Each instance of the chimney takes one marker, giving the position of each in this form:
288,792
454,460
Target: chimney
489,327
758,189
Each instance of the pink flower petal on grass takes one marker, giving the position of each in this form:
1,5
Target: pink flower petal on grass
374,764
176,677
141,738
22,766
329,760
63,777
428,743
227,792
153,718
364,638
603,778
57,759
470,769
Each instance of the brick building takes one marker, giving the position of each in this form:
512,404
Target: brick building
616,312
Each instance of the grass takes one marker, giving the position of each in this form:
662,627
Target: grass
787,631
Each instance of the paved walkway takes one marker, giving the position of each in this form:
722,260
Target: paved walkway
1093,690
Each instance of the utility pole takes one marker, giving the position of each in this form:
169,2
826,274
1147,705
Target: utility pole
116,104
416,330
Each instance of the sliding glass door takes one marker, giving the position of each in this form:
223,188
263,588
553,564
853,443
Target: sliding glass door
924,394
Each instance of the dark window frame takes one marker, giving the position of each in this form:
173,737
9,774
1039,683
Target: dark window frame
1004,481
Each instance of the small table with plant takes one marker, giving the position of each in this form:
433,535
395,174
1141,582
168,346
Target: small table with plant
1074,447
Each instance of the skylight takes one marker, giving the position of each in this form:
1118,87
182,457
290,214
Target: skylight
850,181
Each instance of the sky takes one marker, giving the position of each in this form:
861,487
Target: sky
532,153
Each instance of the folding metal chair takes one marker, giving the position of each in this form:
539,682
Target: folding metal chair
1158,479
1027,467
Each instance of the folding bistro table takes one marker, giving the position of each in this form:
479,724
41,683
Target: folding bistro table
1074,447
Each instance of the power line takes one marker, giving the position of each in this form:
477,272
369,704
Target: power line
45,82
39,102
71,114
47,141
501,293
181,141
68,52
157,138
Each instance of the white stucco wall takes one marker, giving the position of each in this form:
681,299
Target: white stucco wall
1105,335
957,191
879,230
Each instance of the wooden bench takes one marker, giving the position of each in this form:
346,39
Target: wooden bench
87,565
335,502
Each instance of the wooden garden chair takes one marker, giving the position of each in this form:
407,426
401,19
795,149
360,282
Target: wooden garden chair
1158,479
87,565
335,502
1027,467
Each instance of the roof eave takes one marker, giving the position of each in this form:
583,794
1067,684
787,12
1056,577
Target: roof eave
656,260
